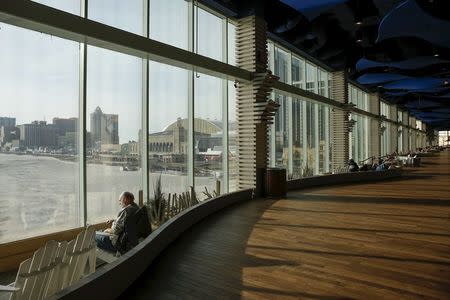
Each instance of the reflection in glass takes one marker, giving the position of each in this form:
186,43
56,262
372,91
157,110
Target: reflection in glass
39,163
113,114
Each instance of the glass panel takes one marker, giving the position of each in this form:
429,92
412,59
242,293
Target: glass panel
323,143
39,178
298,137
208,134
231,44
114,87
127,15
311,139
281,135
323,80
210,35
232,139
270,57
169,22
298,71
70,6
168,128
281,64
311,77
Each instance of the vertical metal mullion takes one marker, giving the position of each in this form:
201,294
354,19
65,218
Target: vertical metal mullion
191,92
304,122
145,105
327,140
272,131
82,118
326,128
290,119
305,134
316,138
225,166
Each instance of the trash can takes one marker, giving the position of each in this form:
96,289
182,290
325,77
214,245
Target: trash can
275,183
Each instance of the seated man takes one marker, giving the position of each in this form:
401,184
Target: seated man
352,166
108,239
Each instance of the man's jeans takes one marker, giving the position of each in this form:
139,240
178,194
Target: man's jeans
104,242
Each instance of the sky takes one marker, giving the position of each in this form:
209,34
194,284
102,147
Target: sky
39,77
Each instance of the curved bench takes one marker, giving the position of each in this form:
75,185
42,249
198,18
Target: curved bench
110,281
342,178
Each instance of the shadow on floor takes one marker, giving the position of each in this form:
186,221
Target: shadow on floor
181,273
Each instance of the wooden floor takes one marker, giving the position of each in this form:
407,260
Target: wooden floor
386,240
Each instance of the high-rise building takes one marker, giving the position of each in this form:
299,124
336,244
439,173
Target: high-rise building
104,127
9,122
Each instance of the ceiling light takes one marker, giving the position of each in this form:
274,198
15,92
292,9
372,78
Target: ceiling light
358,22
445,82
359,40
436,54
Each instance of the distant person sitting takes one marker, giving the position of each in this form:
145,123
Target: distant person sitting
381,165
352,166
109,239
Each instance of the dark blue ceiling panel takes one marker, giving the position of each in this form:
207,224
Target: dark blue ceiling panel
409,64
415,84
312,8
408,19
377,78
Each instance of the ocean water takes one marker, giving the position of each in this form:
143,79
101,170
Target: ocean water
39,194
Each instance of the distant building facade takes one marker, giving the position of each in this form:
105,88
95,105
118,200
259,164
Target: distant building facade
173,140
104,128
38,134
7,122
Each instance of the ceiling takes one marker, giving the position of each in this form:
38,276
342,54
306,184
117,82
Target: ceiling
400,48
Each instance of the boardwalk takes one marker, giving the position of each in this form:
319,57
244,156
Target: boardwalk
387,240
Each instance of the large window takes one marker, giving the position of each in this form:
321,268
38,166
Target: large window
60,101
168,139
39,162
208,134
127,15
113,117
298,72
169,22
298,135
280,134
311,77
